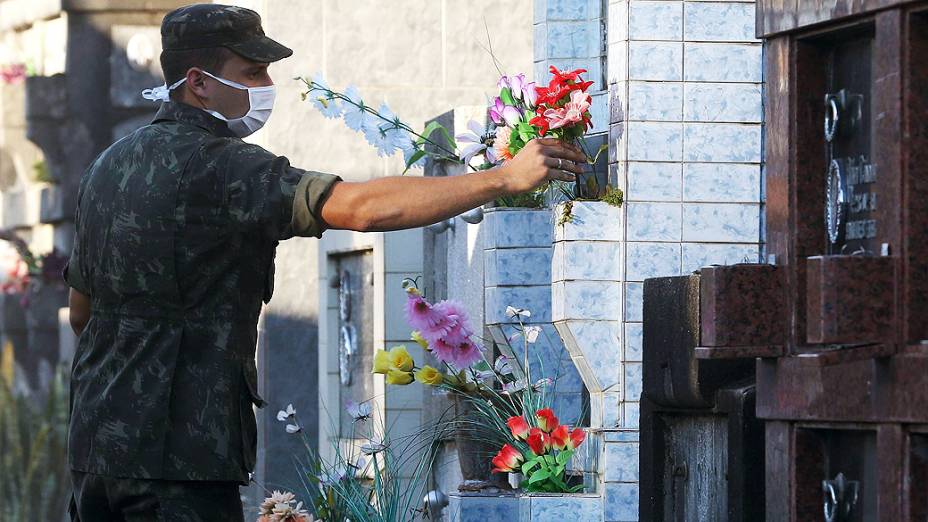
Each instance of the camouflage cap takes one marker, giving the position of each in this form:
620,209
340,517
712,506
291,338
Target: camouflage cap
200,26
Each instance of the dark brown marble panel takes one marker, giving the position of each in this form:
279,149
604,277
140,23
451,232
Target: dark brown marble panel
739,352
890,389
851,299
779,16
742,305
915,182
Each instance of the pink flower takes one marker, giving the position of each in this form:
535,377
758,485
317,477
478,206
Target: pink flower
466,354
570,113
420,314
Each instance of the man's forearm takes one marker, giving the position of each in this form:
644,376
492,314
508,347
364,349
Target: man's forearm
398,202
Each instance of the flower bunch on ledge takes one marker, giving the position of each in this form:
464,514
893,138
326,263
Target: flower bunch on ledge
540,452
502,394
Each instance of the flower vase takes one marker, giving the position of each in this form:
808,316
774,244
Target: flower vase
587,298
517,264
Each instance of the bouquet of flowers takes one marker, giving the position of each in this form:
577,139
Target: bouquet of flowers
500,393
520,113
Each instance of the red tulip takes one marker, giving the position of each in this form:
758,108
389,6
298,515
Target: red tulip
546,419
576,438
560,437
508,459
539,441
519,427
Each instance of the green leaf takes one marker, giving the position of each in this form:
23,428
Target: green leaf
577,488
550,460
414,158
539,475
506,96
527,466
564,456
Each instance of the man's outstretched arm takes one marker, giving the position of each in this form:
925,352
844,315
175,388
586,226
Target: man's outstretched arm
396,202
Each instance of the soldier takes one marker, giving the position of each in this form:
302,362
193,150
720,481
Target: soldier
177,225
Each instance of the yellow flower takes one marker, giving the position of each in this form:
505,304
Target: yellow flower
400,359
416,336
399,377
430,376
381,362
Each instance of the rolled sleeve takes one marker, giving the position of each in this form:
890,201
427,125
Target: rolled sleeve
311,191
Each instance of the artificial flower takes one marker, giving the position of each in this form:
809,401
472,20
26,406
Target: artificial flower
399,377
417,337
358,411
381,362
430,376
277,497
546,419
293,428
514,312
516,386
538,441
355,116
518,426
501,144
373,446
328,105
531,333
560,437
502,365
572,112
507,460
288,413
380,133
422,315
576,438
471,142
542,383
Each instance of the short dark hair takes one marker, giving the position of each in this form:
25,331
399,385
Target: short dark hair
175,64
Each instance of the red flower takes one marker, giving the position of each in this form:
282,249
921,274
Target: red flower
576,438
518,426
539,441
563,77
546,419
542,123
560,437
508,459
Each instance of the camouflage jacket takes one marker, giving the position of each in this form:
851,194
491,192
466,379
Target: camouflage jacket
176,229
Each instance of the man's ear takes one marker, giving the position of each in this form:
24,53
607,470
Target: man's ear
196,82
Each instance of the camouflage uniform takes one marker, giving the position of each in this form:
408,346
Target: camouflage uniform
176,230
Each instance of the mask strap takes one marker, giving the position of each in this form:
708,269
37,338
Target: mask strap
162,92
230,83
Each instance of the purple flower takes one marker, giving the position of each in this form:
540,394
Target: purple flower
503,82
529,94
496,111
517,83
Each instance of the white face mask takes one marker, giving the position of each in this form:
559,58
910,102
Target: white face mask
260,100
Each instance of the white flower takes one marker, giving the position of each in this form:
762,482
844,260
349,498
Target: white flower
373,446
531,333
293,428
356,118
503,366
514,312
543,383
322,98
357,411
277,497
283,415
472,141
379,133
513,387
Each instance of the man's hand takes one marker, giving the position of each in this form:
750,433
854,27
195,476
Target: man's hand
540,161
